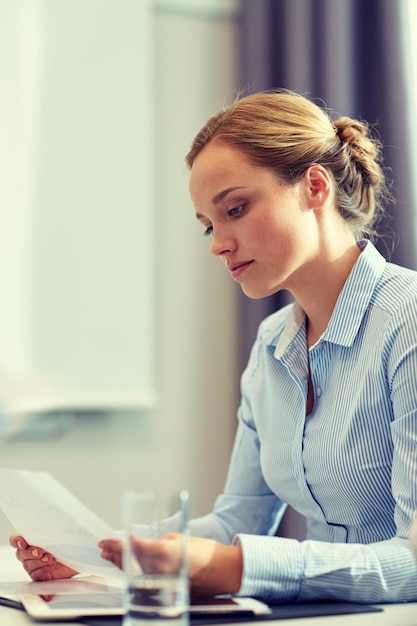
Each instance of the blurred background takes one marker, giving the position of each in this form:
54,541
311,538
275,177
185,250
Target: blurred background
121,340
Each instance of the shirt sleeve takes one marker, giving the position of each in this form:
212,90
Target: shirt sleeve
285,570
247,504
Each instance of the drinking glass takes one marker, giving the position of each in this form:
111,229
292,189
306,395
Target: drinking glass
156,592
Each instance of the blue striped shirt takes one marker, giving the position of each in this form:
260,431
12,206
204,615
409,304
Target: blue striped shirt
350,467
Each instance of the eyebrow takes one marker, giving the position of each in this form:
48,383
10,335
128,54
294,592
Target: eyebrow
219,197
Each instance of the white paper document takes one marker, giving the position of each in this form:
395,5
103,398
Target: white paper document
46,514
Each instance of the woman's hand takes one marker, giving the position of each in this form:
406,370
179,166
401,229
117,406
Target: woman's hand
111,550
40,565
214,568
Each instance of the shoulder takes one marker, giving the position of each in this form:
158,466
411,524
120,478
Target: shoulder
394,305
387,285
396,290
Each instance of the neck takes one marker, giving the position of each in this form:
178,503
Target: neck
321,290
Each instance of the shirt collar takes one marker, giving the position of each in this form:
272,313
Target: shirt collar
351,304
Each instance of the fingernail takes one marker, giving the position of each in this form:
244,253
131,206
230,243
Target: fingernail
20,544
36,553
45,558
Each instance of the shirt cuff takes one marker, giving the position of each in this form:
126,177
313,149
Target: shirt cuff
272,567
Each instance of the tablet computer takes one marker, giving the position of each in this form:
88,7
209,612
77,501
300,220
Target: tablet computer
77,598
71,599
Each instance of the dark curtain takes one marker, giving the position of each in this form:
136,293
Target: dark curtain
347,54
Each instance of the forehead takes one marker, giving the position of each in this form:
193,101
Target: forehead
216,165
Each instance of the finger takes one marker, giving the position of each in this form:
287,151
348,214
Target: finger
115,545
31,553
111,550
18,542
31,565
113,558
111,546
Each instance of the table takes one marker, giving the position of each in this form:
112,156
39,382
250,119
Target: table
392,614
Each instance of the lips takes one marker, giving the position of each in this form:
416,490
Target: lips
237,268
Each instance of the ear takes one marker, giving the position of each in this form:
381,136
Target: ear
318,186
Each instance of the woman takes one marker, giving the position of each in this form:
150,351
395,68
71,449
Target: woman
328,417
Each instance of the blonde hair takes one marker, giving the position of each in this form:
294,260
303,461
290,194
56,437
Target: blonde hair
287,132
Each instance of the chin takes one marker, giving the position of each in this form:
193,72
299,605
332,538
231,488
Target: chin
256,294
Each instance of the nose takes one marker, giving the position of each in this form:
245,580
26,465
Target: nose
221,243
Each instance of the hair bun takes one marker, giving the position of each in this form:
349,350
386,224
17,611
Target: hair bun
364,150
351,131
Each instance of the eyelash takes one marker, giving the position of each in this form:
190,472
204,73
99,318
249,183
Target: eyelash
230,213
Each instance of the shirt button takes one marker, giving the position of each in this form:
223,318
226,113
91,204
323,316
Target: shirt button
318,392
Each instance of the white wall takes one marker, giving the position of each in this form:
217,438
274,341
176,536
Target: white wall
75,128
186,441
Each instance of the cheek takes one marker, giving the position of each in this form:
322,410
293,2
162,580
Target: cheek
277,237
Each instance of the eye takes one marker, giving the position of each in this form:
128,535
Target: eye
208,231
236,211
